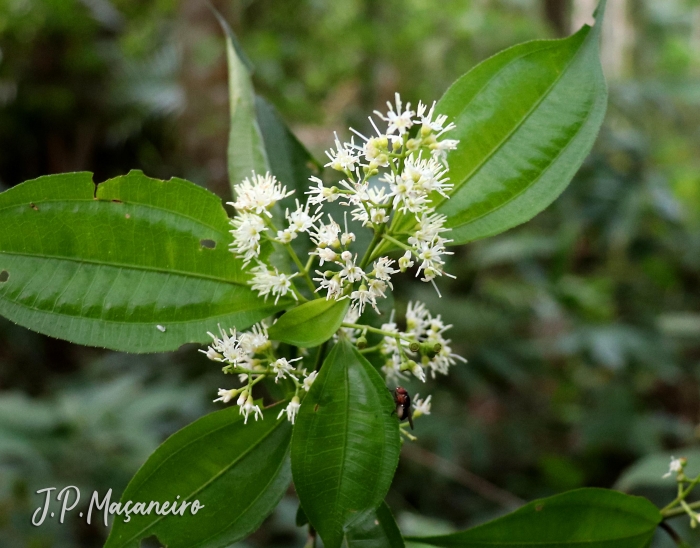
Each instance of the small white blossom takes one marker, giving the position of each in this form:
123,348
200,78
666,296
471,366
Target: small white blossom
255,340
291,410
225,396
320,193
249,407
383,270
362,297
405,262
247,230
326,235
227,348
333,285
258,194
309,380
675,468
422,406
326,254
399,120
344,157
273,282
282,367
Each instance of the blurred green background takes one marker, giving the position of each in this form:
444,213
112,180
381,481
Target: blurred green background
582,327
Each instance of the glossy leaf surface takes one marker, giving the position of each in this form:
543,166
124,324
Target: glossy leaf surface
246,150
377,529
526,119
311,323
238,471
584,518
289,160
345,446
138,264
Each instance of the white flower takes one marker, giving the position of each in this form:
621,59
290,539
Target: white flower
271,281
309,380
426,119
351,272
247,229
417,319
326,235
228,347
249,407
392,370
333,286
422,406
325,254
676,467
291,410
253,341
321,193
400,121
347,237
282,367
300,220
362,297
225,396
258,194
377,288
405,262
382,269
343,158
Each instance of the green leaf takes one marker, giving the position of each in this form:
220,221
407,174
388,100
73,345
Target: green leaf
526,119
376,529
238,471
345,445
311,323
584,518
649,471
289,160
106,266
246,150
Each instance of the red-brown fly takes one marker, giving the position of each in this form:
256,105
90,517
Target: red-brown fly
403,405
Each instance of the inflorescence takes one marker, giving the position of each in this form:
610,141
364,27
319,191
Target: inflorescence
389,184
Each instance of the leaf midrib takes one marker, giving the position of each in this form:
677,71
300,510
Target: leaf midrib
527,115
158,270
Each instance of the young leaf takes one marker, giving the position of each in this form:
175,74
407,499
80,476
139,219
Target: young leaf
375,529
526,119
289,160
238,472
138,264
311,323
345,445
590,518
246,150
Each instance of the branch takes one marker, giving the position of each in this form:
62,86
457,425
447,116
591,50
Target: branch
464,477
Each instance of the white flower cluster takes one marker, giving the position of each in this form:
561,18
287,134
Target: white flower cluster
389,178
389,183
250,355
423,340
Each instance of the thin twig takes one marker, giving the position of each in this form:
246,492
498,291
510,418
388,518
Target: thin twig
462,476
672,533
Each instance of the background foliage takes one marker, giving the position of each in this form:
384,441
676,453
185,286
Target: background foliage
582,327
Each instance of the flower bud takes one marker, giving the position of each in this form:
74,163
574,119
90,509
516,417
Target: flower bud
361,342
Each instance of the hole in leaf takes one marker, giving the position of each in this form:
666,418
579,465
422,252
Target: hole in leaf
209,244
4,276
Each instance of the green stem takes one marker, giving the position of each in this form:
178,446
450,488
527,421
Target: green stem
679,511
309,263
682,494
302,270
377,331
397,242
371,349
377,238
